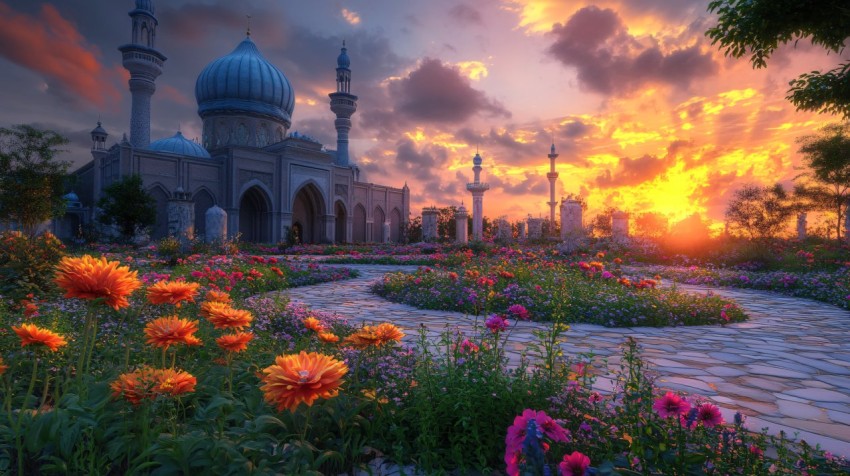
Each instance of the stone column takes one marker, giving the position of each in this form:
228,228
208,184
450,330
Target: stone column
522,234
503,230
181,217
386,232
535,228
571,219
801,226
216,231
429,224
461,227
620,225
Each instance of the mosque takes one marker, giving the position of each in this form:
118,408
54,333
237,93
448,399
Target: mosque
250,174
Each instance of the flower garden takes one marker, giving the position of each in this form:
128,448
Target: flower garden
115,362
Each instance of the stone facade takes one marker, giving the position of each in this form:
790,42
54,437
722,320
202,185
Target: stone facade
461,225
571,218
620,225
535,228
429,224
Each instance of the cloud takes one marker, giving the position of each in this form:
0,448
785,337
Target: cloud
532,184
465,15
53,47
632,172
351,16
194,22
438,92
610,61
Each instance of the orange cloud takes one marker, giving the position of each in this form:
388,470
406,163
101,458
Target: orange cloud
351,16
50,45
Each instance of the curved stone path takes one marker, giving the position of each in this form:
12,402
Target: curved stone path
787,368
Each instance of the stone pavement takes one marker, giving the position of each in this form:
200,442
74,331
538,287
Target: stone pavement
786,368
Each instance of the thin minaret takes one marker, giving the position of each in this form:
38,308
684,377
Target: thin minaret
552,176
343,104
144,63
477,188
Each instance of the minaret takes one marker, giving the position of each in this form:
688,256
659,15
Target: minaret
477,188
144,64
552,176
343,104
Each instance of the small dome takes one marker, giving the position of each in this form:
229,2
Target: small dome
181,146
146,5
99,130
477,159
71,197
342,61
244,82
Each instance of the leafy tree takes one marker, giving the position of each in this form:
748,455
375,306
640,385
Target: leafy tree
759,212
32,181
126,204
826,185
651,225
758,27
601,224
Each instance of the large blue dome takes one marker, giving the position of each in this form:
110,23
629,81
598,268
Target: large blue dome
180,145
244,82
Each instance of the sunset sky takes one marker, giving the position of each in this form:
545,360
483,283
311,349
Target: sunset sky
645,113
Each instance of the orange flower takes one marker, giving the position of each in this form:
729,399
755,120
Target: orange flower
313,324
363,338
147,383
235,342
209,308
3,366
228,318
387,332
95,278
302,377
169,330
172,292
218,296
32,334
328,337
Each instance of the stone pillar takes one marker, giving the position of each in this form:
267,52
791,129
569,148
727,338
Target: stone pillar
521,229
216,231
535,228
620,225
571,219
801,226
429,224
503,231
386,232
181,217
461,227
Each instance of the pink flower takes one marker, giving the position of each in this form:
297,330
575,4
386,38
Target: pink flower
671,405
496,323
709,415
518,311
594,397
468,346
574,464
515,438
607,275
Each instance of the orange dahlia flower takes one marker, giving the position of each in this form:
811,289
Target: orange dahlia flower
172,292
235,342
3,366
313,324
218,296
363,338
225,317
147,383
328,337
174,383
209,308
302,377
95,278
170,330
31,334
388,332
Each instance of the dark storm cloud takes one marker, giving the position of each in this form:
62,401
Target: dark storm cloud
465,15
437,92
634,171
610,61
532,184
574,129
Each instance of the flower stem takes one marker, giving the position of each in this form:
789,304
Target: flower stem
18,442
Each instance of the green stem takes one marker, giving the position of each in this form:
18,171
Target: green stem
21,413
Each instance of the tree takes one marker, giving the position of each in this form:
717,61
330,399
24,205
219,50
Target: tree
759,212
32,181
601,224
651,225
826,185
759,27
126,204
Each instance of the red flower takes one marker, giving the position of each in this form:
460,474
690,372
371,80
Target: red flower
574,464
671,405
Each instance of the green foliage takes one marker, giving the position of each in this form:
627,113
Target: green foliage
169,249
126,204
26,264
758,27
826,185
32,181
759,212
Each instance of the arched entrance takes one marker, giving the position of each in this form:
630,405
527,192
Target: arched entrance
203,202
395,226
339,222
160,228
378,225
254,211
307,213
358,226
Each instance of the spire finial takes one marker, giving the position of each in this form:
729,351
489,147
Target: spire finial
248,24
343,43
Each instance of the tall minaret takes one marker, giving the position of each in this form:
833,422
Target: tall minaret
144,64
477,188
343,104
552,176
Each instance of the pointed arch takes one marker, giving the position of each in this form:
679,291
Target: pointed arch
161,196
358,231
308,210
395,225
254,214
204,200
378,218
340,221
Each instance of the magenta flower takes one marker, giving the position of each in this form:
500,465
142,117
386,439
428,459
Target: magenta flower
496,323
607,275
517,432
709,415
574,464
671,405
518,311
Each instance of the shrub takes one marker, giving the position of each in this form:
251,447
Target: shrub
26,264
